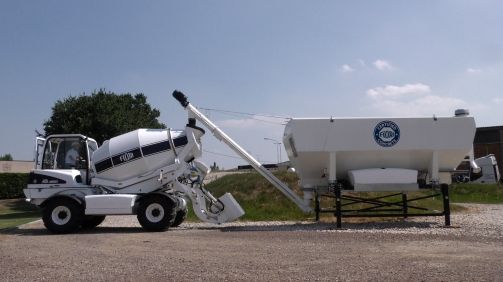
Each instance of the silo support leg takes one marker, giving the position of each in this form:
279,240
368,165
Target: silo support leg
338,211
317,206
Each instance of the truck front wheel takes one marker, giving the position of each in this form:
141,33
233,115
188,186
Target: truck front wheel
62,215
156,213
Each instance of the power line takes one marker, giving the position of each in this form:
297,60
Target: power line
220,154
250,115
243,113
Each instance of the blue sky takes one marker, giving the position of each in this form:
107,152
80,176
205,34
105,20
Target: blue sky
287,58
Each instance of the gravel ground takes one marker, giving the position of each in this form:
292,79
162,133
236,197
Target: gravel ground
418,249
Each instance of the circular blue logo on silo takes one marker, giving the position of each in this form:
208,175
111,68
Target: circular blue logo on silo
386,133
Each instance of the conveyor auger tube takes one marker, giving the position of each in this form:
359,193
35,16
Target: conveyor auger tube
303,204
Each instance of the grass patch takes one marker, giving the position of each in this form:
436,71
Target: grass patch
476,193
261,201
14,212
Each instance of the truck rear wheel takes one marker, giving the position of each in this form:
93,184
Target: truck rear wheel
62,215
156,213
181,215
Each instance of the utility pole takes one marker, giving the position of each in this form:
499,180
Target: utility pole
278,148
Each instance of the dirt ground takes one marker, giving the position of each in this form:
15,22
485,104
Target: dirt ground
118,250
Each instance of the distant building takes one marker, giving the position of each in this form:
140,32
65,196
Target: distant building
16,166
249,167
489,140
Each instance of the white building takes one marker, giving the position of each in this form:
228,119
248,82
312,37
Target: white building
16,166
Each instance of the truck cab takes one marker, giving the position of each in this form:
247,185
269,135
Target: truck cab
66,152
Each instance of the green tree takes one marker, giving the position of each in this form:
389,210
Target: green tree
102,115
6,157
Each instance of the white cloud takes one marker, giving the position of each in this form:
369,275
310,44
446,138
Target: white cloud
411,100
393,91
347,69
473,71
383,65
421,106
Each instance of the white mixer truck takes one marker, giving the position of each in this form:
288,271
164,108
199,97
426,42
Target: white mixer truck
147,172
151,172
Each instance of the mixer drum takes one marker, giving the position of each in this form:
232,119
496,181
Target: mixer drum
136,153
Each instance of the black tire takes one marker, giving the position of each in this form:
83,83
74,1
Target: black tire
156,213
62,215
91,221
181,215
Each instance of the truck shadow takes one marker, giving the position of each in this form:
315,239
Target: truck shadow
320,226
98,230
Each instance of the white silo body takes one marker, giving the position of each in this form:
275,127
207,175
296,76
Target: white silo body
320,147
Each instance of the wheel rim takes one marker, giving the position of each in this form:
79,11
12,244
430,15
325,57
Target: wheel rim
154,212
61,215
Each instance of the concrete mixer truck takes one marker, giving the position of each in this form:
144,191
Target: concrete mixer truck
147,172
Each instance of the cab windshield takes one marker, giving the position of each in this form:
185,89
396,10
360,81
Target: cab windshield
65,153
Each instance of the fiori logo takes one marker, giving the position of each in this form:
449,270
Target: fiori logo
126,157
386,133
